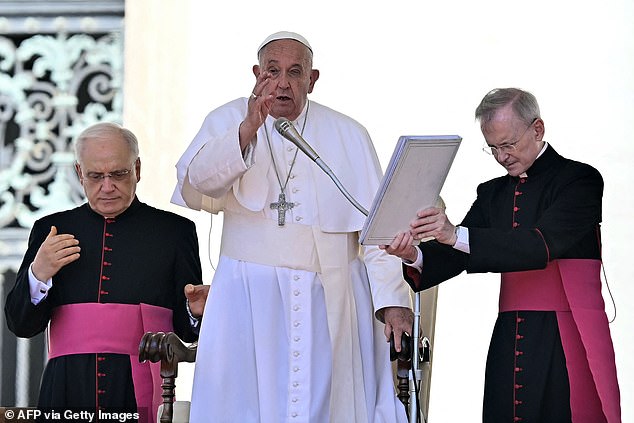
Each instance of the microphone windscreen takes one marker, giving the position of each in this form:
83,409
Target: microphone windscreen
282,125
287,130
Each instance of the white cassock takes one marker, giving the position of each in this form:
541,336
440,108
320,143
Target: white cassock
289,332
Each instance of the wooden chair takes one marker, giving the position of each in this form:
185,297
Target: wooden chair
169,350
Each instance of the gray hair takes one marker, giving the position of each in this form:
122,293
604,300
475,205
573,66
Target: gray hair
524,105
106,130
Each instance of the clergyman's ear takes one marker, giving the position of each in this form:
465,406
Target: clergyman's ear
78,171
137,167
540,129
314,76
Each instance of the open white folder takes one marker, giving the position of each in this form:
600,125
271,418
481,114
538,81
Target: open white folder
413,180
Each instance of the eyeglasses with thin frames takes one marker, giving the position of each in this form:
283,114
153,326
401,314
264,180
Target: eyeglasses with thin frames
117,175
509,147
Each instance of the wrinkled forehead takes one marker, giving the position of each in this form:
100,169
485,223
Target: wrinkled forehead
104,151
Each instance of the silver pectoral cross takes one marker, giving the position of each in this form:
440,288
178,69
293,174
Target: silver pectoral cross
281,207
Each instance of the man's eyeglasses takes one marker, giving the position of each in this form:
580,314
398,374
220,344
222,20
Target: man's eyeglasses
506,148
117,175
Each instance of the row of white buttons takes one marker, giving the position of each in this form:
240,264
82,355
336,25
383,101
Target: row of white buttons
297,327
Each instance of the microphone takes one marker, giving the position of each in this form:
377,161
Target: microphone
288,131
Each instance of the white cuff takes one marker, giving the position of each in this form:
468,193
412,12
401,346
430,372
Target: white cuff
37,288
249,154
192,320
462,239
418,263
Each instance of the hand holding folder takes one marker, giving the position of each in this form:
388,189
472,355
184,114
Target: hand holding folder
413,180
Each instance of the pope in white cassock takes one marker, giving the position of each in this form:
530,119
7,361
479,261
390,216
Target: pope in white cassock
298,314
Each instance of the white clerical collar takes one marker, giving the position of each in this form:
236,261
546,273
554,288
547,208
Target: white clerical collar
523,174
542,151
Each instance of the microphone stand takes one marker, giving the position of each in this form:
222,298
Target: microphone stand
415,372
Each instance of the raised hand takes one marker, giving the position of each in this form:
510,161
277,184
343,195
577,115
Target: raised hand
258,109
55,252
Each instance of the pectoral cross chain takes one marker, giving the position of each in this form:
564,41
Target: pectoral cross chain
281,207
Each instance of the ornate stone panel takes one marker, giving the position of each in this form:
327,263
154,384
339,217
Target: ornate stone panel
61,70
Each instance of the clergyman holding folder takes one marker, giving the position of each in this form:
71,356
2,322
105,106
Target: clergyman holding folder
551,356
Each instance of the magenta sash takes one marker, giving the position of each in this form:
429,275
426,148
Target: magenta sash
572,288
113,328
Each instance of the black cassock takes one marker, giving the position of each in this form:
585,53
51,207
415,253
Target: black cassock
518,224
144,255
